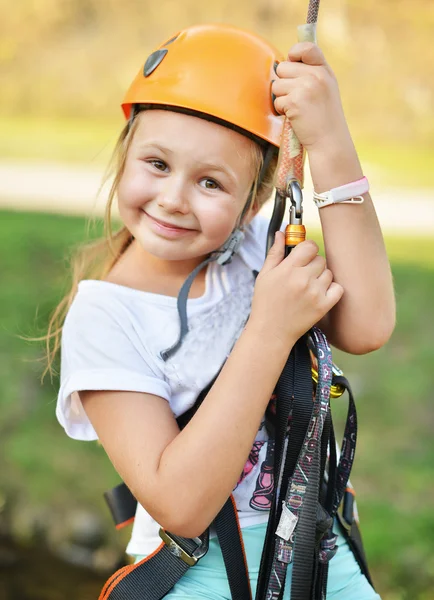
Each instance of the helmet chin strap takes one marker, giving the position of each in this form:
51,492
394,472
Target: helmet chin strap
222,256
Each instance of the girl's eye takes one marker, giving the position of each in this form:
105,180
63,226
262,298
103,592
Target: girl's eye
159,164
210,184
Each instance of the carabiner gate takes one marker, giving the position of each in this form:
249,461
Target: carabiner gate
295,231
295,195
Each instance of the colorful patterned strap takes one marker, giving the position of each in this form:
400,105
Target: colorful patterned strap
300,505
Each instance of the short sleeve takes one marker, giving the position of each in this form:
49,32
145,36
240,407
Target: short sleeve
101,350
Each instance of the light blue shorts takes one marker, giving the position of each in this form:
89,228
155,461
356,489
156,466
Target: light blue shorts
208,578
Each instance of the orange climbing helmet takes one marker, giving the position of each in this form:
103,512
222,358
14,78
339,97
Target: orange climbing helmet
215,70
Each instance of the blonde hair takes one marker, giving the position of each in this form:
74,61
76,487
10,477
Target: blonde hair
95,259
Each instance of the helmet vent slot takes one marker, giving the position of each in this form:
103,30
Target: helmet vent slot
153,61
175,37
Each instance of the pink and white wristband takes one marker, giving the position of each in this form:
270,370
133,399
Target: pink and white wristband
350,193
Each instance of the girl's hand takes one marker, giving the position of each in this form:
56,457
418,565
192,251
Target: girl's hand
307,93
293,293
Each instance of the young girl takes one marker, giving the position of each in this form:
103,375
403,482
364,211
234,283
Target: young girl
195,163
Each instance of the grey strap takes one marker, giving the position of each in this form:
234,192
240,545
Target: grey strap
182,308
222,256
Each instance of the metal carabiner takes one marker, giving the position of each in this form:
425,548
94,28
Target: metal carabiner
295,231
295,195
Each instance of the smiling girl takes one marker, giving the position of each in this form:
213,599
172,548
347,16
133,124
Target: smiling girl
195,163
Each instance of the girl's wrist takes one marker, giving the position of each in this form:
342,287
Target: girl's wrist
334,162
271,343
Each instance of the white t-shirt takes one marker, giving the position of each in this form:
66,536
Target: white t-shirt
112,339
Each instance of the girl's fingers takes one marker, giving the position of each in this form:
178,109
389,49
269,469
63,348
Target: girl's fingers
303,254
316,267
325,278
334,293
307,83
281,87
307,53
276,253
292,70
291,94
282,105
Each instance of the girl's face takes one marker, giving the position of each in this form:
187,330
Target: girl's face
185,184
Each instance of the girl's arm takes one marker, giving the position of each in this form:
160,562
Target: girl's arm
307,93
183,478
364,319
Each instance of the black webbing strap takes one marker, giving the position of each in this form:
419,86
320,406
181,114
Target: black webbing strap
284,395
325,507
348,447
296,533
122,504
304,557
153,577
150,579
354,539
345,497
326,438
331,473
327,498
313,519
292,393
302,411
230,540
337,481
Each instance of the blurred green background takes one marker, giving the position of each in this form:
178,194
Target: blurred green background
64,67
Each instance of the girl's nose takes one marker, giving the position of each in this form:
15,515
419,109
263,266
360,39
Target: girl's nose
172,196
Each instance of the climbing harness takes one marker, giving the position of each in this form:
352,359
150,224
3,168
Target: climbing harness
311,488
307,496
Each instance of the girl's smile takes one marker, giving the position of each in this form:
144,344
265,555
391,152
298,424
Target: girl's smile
169,230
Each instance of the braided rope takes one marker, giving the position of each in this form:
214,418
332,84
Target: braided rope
312,11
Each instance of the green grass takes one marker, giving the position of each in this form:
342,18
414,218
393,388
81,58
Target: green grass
393,387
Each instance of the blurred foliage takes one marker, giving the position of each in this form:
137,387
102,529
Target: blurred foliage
76,57
393,472
30,579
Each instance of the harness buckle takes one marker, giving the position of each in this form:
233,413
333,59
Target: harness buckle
190,558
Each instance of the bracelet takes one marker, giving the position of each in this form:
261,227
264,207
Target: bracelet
350,193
